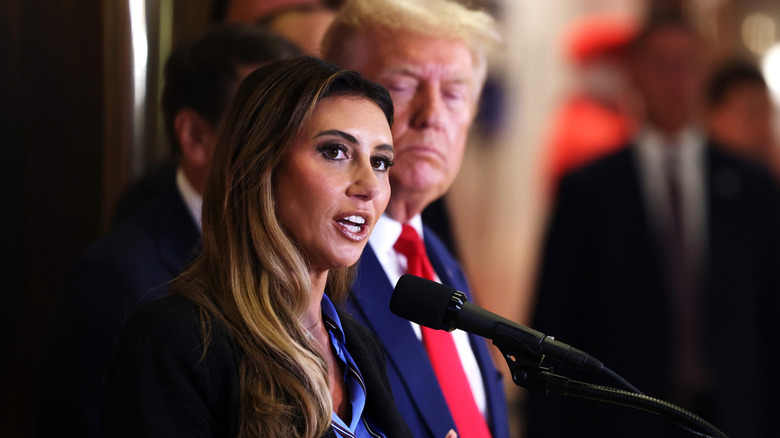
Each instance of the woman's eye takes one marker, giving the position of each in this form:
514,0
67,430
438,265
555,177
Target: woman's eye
382,164
334,152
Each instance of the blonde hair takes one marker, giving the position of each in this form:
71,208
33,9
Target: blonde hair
434,18
250,276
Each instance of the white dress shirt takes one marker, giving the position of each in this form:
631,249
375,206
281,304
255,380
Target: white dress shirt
192,198
382,239
653,149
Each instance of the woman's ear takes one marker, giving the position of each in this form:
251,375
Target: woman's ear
197,138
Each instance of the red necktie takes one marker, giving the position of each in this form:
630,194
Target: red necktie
441,348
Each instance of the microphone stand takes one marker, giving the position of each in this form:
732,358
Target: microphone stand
525,365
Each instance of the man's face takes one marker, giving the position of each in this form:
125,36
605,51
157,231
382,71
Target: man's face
743,120
433,88
668,74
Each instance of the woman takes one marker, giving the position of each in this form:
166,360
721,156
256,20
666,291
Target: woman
249,344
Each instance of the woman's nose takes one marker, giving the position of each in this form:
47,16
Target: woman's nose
365,183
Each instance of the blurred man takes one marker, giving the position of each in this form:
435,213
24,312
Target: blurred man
134,263
431,56
595,118
739,112
303,22
661,260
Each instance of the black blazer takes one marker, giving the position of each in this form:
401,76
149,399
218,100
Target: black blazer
130,266
602,289
158,386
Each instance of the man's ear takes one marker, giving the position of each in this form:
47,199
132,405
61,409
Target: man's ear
196,137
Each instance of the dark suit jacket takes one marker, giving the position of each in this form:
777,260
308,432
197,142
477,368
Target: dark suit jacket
155,183
160,384
130,266
416,390
602,288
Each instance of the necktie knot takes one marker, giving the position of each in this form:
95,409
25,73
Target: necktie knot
411,246
409,242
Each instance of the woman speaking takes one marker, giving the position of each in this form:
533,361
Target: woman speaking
249,343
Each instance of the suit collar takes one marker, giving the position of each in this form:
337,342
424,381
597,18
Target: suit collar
191,198
176,234
445,266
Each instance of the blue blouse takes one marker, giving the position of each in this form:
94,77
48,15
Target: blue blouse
359,427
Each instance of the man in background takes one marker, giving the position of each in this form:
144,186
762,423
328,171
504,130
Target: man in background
739,112
134,263
661,261
430,55
302,22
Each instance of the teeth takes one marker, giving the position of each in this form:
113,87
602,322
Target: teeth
352,228
356,219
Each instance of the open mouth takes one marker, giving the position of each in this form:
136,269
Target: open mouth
353,226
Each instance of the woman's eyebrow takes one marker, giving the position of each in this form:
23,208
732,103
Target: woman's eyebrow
348,137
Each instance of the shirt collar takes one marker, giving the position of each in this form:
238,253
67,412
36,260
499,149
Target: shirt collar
387,231
331,319
355,385
652,145
191,197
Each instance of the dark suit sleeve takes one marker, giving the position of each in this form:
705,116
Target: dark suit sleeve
770,303
563,269
560,299
84,327
159,383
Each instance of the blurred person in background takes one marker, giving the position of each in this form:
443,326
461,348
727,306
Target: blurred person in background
135,262
204,81
431,56
739,112
596,118
303,22
661,261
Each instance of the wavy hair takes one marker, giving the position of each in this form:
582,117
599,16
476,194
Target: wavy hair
250,276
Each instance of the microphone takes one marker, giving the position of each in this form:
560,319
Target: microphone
442,307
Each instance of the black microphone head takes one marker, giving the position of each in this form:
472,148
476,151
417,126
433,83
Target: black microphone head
422,301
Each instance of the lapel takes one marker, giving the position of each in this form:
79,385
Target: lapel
175,232
372,292
632,201
635,223
450,273
727,218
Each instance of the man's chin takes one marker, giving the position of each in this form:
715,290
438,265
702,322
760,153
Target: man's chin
420,180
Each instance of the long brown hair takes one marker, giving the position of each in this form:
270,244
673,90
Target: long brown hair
250,276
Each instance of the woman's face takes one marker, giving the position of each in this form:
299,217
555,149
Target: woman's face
333,185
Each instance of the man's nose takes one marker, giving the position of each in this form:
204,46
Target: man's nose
428,107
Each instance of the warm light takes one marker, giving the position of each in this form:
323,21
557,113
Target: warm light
758,33
770,67
139,40
140,48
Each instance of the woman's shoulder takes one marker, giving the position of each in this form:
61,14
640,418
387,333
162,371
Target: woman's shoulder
162,378
169,315
175,322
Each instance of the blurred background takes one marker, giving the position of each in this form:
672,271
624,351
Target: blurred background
80,122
